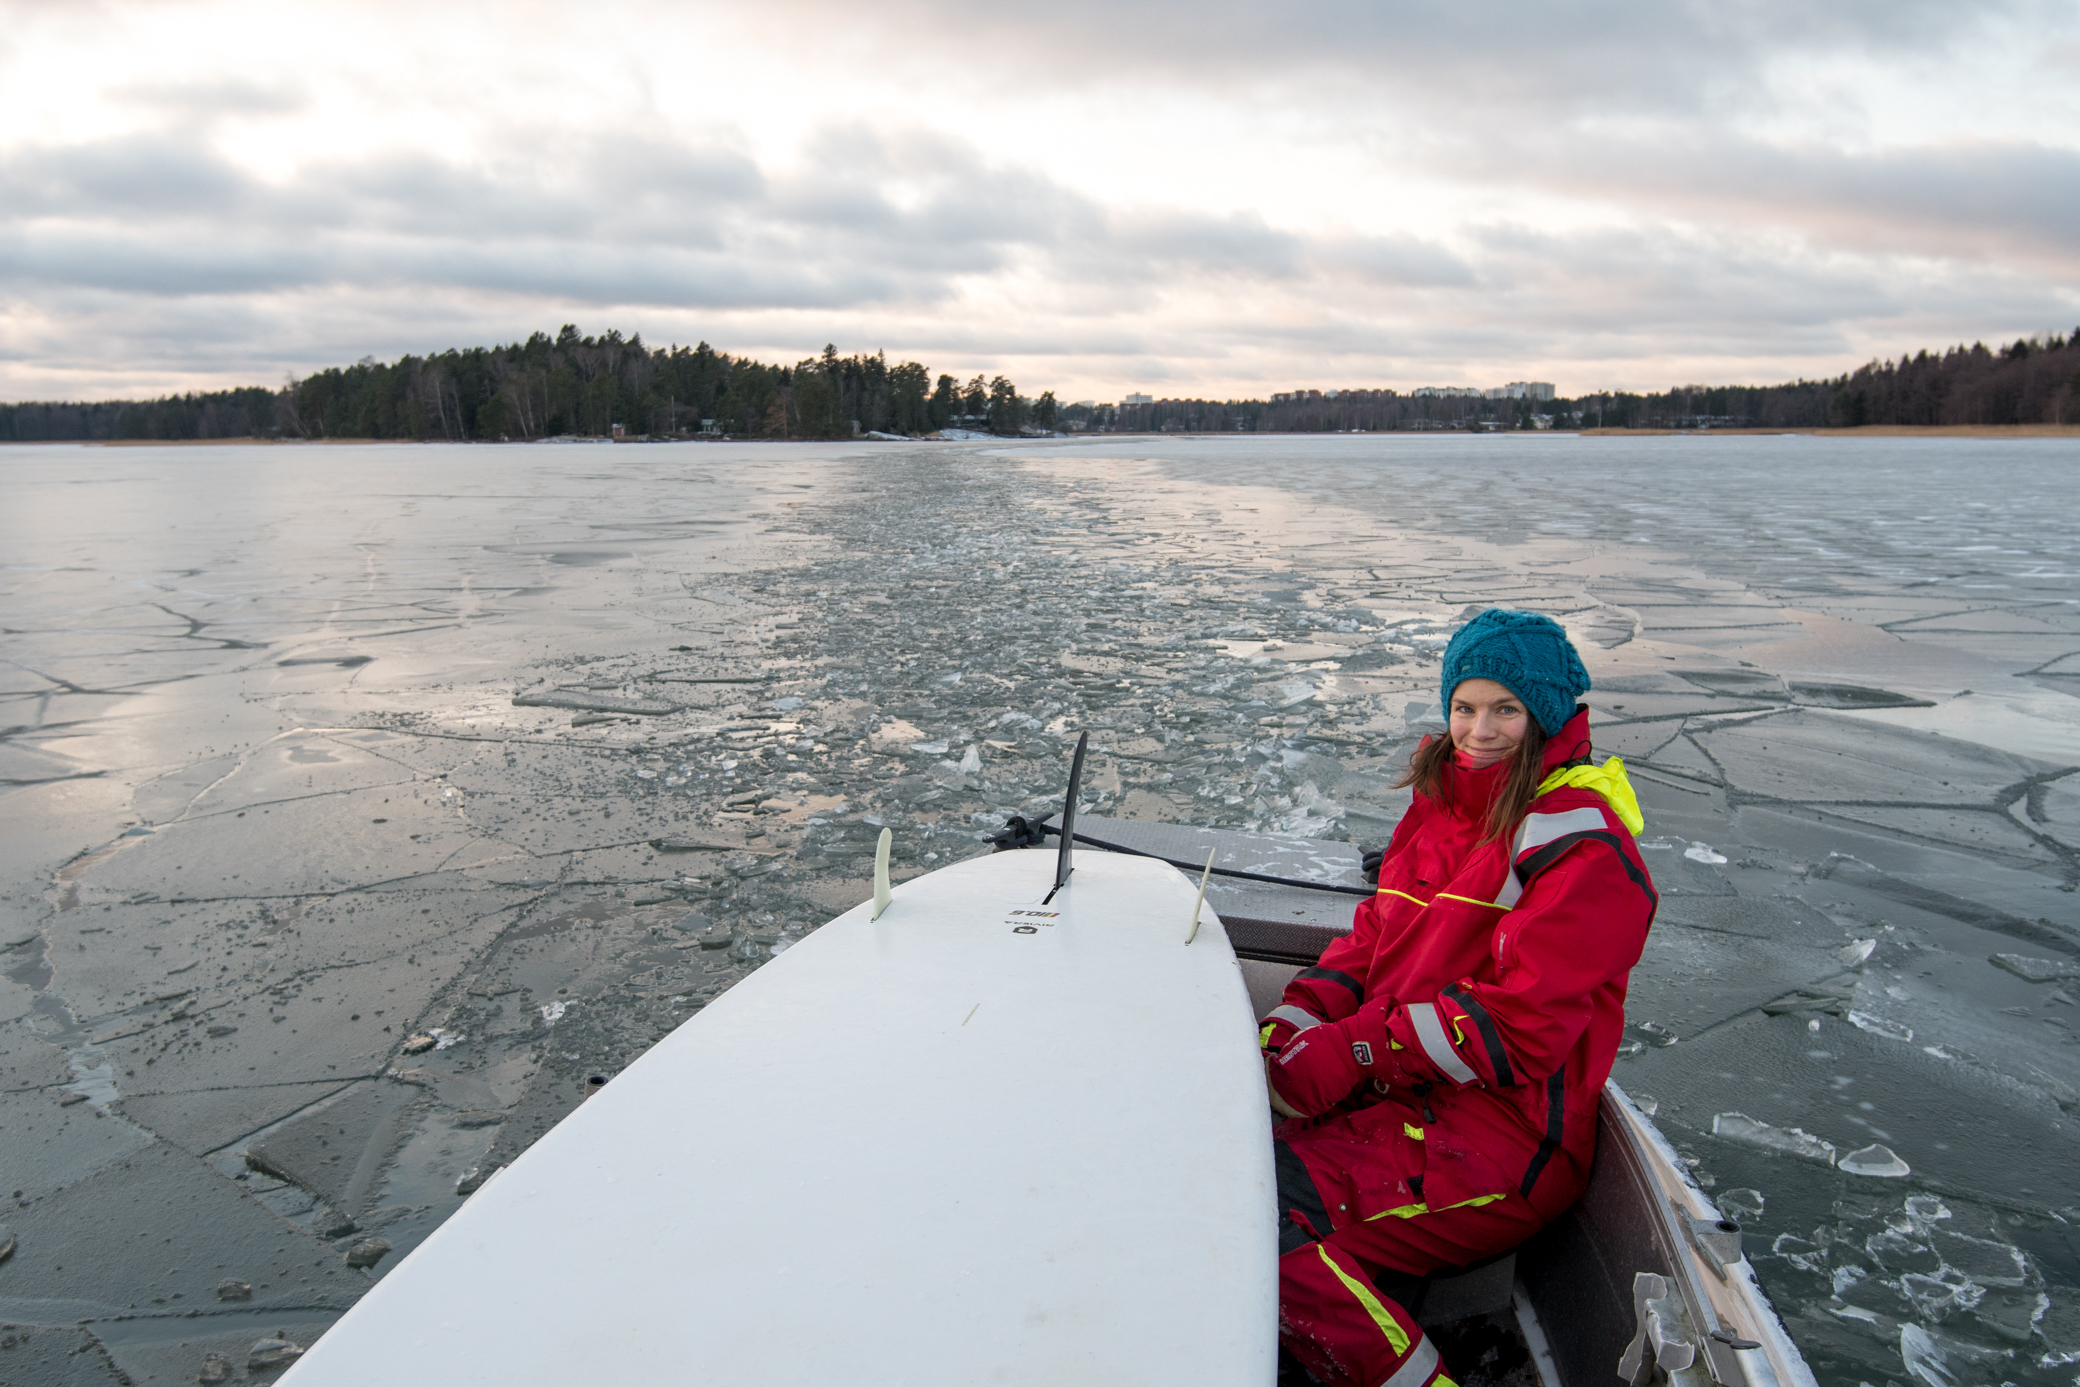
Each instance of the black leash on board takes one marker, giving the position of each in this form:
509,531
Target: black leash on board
1020,833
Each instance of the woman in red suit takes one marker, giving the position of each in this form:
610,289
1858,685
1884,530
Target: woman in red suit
1439,1069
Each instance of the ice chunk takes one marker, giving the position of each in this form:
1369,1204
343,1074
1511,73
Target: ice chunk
553,1012
929,748
1874,1160
1923,1359
582,701
1741,1205
1790,1141
1878,1025
272,1353
1702,852
1656,1034
971,761
2035,969
367,1252
1856,951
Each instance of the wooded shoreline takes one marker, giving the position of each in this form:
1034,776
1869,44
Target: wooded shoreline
572,386
1985,431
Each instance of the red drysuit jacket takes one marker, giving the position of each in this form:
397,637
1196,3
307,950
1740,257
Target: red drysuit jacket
1484,985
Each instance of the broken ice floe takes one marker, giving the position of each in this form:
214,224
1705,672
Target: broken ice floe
583,701
1878,1025
367,1252
1703,852
473,1179
274,1352
1874,1160
1831,999
1922,1358
1856,951
1740,1205
553,1012
2035,969
1788,1141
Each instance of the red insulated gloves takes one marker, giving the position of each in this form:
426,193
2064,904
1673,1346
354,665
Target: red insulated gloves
1319,1067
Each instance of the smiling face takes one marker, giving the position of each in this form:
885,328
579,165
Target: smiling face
1488,721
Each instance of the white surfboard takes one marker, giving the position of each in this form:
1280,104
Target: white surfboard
980,1140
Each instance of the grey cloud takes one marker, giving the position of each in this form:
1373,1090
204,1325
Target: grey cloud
1444,62
149,260
1401,260
915,198
866,220
196,262
1239,243
225,96
1984,201
126,175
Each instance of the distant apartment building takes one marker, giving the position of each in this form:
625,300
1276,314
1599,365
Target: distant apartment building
1136,400
1521,390
1294,397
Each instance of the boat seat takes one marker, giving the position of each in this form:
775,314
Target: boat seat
1453,1293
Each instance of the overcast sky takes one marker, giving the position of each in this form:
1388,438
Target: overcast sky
1175,196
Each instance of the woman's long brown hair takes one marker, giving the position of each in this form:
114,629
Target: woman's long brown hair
1432,761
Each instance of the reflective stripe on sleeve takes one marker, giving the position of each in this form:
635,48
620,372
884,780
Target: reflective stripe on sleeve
1397,1337
1294,1017
1538,830
1430,1033
1416,1371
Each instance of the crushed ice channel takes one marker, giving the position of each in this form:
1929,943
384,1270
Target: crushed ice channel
356,834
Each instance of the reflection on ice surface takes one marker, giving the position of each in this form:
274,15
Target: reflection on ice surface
536,752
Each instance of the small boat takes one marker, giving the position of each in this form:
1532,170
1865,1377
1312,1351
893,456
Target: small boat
1007,1123
1644,1279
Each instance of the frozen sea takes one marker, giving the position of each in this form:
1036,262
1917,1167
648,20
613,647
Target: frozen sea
361,804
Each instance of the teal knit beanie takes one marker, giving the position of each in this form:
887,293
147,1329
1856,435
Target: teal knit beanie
1527,654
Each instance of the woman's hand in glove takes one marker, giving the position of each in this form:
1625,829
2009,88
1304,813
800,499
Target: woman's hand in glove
1318,1068
1278,1104
1314,1072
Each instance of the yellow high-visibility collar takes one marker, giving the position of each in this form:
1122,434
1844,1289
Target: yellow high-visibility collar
1608,780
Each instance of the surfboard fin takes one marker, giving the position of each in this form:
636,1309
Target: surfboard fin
1065,862
1200,904
881,895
